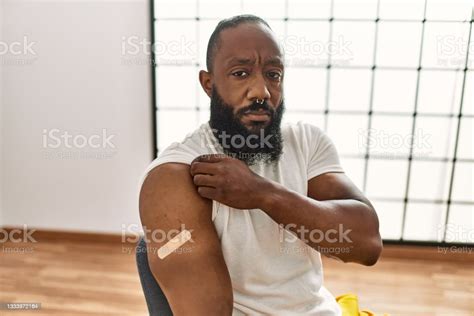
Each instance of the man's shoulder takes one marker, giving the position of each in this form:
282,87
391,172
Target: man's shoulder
194,144
300,131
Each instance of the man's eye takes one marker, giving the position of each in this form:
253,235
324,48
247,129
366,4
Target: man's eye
240,73
274,75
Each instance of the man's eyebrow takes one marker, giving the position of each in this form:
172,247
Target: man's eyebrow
240,61
276,61
234,61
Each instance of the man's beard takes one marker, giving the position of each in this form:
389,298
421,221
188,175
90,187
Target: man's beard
260,144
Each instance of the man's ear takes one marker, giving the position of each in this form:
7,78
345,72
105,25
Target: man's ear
205,78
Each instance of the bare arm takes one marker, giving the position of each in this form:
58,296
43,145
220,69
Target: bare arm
194,279
334,208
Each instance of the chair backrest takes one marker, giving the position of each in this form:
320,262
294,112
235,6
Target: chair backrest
154,296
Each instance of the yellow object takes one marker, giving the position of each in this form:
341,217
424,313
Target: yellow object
349,304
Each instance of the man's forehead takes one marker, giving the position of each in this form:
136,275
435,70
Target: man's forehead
247,42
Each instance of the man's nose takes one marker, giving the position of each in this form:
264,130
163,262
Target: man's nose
258,89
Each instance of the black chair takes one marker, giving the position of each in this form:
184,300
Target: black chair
155,298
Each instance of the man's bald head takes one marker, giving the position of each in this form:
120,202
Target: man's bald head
214,40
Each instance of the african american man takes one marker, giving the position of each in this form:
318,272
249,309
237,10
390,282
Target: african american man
262,200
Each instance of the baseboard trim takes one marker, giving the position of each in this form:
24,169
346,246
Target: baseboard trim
420,252
47,235
458,253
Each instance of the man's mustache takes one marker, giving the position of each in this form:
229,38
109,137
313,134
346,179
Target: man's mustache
256,107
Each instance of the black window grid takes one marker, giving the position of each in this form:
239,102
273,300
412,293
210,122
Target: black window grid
370,113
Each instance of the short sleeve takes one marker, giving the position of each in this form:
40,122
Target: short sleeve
323,156
176,152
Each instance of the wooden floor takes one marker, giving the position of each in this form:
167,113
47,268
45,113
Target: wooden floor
100,278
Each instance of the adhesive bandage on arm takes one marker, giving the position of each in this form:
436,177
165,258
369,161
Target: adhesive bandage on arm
174,244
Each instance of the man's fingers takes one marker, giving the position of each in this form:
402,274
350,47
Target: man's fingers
210,158
206,163
204,180
207,192
203,167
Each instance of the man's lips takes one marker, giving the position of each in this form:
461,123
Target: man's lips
257,115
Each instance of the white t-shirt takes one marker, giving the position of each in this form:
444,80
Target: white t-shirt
272,272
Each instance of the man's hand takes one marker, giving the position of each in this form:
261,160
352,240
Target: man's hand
227,180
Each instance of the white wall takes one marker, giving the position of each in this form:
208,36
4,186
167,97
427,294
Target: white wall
74,80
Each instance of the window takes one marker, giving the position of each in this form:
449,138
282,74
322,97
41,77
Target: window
394,93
